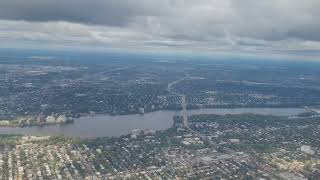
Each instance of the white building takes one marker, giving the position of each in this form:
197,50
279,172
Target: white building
4,123
306,149
50,120
135,133
141,110
234,140
61,119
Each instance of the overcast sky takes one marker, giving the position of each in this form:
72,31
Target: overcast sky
289,27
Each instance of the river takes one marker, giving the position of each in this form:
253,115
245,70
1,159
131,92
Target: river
106,125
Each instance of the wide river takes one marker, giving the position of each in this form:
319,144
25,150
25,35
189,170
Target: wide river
105,125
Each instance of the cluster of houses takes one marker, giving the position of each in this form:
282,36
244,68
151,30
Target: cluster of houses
52,119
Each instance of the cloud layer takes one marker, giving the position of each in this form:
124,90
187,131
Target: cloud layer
210,25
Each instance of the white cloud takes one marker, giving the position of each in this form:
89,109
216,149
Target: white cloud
264,26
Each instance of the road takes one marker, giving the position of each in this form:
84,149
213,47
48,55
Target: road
183,100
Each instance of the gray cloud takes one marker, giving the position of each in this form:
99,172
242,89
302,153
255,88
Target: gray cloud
104,12
242,25
277,19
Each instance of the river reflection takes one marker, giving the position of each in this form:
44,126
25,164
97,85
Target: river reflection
106,125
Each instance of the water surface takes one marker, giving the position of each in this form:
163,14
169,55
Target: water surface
106,125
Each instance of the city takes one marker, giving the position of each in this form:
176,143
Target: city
74,88
243,146
159,90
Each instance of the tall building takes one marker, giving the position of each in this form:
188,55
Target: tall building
40,118
61,119
50,120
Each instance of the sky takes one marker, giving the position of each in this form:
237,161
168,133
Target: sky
263,27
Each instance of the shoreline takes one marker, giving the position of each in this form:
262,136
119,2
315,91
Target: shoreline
137,115
190,109
69,121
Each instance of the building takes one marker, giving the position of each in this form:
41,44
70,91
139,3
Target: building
141,110
61,119
234,141
50,120
4,123
306,149
135,133
40,118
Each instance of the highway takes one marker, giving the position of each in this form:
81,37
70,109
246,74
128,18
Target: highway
183,100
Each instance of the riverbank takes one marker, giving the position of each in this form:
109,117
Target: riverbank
92,126
32,121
